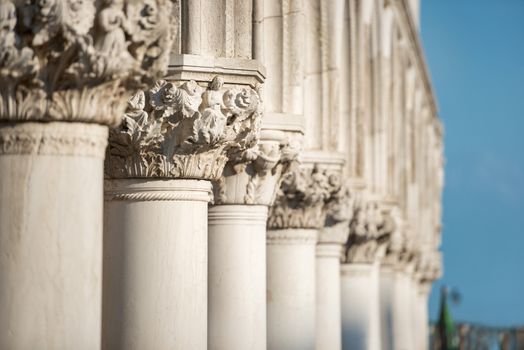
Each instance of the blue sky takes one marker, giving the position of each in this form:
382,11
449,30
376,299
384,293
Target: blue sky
475,53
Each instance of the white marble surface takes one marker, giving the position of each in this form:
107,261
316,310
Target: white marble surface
291,289
155,264
237,277
51,236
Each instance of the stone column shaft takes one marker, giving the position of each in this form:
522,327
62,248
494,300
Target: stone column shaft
291,289
237,241
155,264
396,301
237,277
328,297
330,249
51,235
360,300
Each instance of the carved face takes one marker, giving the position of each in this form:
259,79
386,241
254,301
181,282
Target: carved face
46,7
169,93
150,9
216,83
191,87
75,5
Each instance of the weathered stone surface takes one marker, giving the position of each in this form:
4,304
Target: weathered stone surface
184,130
66,60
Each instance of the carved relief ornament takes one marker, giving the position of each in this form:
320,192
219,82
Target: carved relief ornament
339,213
370,228
255,175
183,130
303,197
79,60
400,253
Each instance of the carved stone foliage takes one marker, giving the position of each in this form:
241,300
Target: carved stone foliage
77,60
338,216
182,130
255,176
303,198
370,229
399,251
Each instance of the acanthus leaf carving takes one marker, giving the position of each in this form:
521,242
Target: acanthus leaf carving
182,130
77,60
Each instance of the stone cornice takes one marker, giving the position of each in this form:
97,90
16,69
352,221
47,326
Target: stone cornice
180,129
305,193
79,60
204,68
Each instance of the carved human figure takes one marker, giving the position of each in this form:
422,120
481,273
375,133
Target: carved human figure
135,110
112,41
7,23
213,121
10,56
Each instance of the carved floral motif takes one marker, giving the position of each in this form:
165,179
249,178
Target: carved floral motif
182,130
303,199
77,59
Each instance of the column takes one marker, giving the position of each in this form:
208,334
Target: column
293,228
329,251
422,329
359,298
430,271
396,301
175,140
237,243
60,89
291,288
360,283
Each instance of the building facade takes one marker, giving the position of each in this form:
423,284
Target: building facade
217,174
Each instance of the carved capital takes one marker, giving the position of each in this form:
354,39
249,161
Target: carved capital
70,60
370,228
399,253
255,176
303,197
180,129
431,269
339,213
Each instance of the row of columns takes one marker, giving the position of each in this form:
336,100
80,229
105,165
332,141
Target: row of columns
146,205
